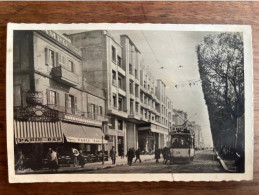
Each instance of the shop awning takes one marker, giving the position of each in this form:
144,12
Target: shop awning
37,132
82,134
154,128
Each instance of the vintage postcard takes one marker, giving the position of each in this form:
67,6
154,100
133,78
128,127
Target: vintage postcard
129,102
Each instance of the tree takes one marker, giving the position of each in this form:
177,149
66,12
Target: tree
221,66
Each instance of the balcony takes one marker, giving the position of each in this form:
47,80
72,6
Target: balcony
122,92
132,77
65,76
121,71
78,116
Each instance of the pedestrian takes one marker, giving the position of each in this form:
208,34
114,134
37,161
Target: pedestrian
130,155
137,152
81,159
167,155
113,155
52,160
164,154
75,154
20,162
157,155
121,152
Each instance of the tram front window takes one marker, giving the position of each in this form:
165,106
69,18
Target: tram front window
181,142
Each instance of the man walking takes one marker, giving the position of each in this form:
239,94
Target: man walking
113,155
137,155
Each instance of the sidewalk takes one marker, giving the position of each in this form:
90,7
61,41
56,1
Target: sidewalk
89,166
228,165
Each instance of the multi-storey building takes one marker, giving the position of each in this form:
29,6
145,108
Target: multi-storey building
104,69
133,97
54,105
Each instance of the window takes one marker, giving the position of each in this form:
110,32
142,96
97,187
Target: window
131,106
136,107
114,97
112,122
52,97
113,54
70,103
119,61
120,82
120,124
131,87
113,77
61,59
130,69
100,111
120,103
136,73
51,58
70,66
136,91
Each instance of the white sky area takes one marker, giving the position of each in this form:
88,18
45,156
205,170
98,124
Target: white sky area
171,49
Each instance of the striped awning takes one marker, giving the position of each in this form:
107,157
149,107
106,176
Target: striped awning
83,134
37,132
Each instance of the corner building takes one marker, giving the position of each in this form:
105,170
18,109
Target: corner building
135,101
54,106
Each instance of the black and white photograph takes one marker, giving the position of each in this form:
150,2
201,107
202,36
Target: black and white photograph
129,102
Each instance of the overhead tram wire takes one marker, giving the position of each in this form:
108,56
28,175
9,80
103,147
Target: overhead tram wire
161,67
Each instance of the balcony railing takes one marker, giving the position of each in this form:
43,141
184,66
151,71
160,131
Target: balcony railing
75,112
65,76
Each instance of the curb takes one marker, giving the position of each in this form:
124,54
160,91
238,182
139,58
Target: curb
223,164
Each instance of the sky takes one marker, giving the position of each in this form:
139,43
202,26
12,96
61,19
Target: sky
175,51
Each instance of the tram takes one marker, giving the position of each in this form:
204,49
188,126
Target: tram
181,144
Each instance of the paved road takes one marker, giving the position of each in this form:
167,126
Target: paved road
205,161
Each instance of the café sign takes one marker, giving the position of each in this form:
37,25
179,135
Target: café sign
86,140
39,140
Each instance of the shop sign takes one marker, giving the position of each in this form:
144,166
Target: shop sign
120,133
39,140
85,140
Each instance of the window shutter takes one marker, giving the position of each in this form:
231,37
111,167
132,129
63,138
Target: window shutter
75,103
66,102
57,59
57,99
47,56
47,92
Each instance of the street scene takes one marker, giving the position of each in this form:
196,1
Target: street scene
128,101
205,161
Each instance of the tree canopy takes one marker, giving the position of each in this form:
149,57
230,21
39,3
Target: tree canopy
221,66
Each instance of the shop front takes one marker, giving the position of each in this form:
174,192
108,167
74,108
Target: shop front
151,137
88,139
36,129
116,139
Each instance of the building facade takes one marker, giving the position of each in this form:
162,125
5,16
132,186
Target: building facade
136,103
54,106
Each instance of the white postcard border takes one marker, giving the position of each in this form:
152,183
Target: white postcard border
249,131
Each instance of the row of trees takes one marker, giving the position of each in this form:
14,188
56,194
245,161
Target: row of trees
221,66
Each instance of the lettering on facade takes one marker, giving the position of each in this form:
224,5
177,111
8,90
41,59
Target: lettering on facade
39,140
57,37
